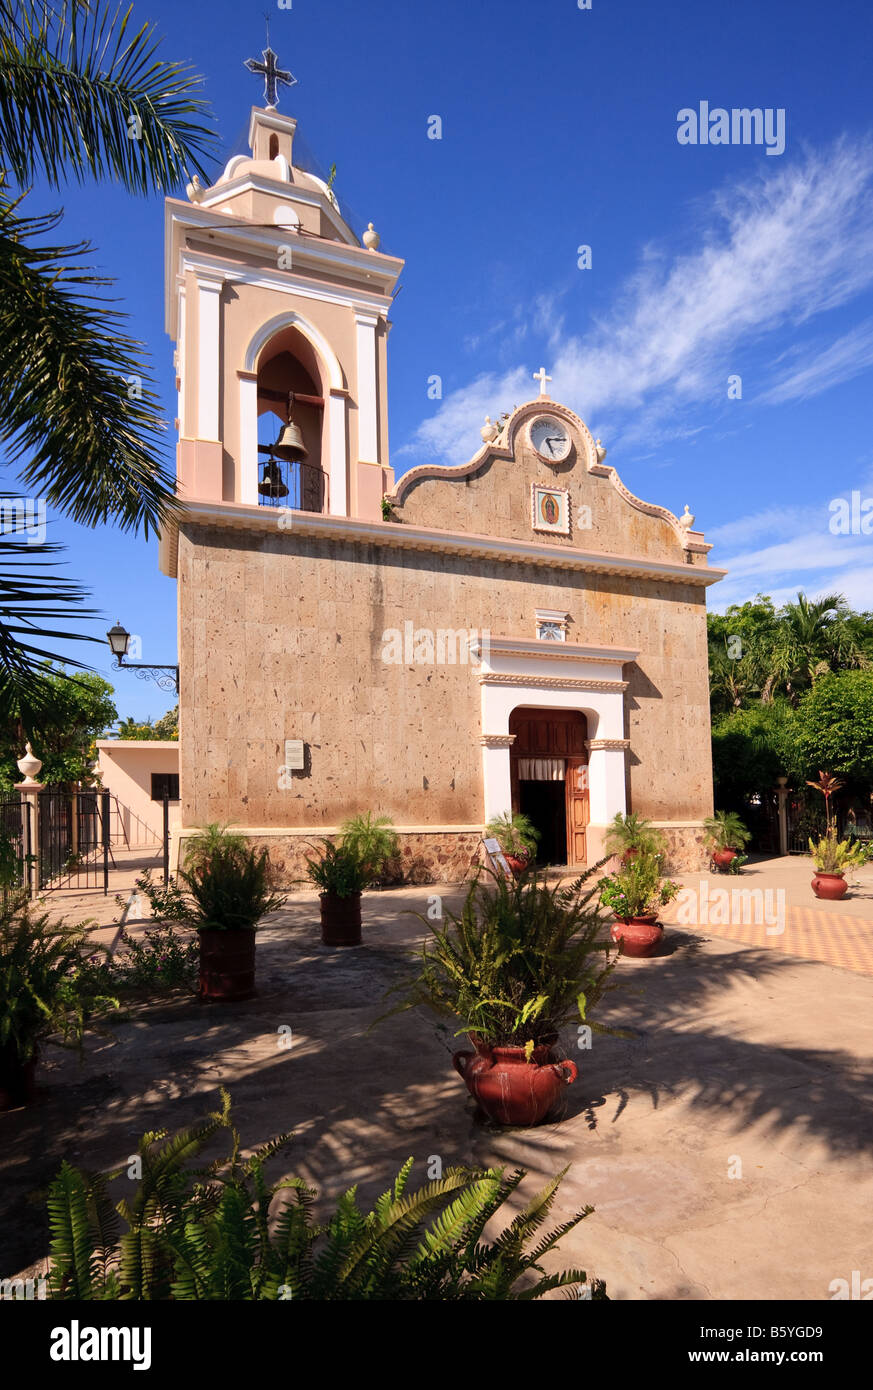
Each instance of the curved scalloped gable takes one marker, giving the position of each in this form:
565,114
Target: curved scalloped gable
491,495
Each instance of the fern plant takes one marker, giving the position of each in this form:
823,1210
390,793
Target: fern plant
372,839
340,870
195,1234
726,830
633,834
521,959
231,889
46,986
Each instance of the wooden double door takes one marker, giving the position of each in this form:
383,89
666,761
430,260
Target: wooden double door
549,767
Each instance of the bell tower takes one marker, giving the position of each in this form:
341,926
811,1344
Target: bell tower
279,314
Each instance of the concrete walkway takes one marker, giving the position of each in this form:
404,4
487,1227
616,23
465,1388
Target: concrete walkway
725,1146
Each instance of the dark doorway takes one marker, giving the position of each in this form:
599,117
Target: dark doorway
549,770
546,805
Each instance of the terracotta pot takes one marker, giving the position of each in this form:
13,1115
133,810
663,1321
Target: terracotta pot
510,1089
638,936
830,886
517,863
227,964
724,857
341,920
17,1080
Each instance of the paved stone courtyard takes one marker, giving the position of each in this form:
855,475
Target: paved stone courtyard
725,1146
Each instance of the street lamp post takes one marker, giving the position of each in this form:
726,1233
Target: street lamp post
166,677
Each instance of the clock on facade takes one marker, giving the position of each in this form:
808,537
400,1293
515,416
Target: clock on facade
550,439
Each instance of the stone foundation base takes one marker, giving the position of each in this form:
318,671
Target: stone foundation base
439,856
686,849
426,856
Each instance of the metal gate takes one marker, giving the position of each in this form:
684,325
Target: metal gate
74,839
16,845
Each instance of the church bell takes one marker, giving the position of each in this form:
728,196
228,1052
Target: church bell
271,485
289,446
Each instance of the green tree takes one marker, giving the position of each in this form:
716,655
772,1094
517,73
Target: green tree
834,726
80,708
167,727
82,95
750,749
740,640
812,638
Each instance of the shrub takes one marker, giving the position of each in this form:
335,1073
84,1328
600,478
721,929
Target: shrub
46,986
213,1234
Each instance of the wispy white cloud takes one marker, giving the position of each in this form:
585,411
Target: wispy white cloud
844,359
777,250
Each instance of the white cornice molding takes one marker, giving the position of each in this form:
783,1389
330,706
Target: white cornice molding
235,515
552,682
552,651
288,191
182,219
287,283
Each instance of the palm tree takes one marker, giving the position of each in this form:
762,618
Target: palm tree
82,95
811,639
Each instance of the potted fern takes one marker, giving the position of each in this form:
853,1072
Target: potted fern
630,835
341,875
832,859
726,837
517,836
374,840
222,893
521,960
634,894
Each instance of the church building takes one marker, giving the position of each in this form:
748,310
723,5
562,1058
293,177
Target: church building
516,632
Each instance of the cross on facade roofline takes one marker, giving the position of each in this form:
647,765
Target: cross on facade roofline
541,377
272,74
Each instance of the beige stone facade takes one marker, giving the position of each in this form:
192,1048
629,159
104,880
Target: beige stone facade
402,653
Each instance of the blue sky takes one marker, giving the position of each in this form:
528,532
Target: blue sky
560,130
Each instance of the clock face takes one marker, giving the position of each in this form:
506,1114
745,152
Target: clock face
550,439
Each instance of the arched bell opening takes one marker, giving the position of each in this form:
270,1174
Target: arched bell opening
291,426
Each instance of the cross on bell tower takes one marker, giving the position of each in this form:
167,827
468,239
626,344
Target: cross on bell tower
272,74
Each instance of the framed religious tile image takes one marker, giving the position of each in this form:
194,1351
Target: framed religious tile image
550,508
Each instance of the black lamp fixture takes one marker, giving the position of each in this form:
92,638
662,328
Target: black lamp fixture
119,644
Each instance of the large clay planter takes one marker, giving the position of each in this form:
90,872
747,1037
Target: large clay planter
17,1080
637,936
227,964
341,920
517,863
830,886
511,1090
724,857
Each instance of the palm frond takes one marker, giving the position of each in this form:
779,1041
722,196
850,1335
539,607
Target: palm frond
84,93
79,419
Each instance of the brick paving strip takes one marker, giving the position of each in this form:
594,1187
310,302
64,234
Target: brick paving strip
846,942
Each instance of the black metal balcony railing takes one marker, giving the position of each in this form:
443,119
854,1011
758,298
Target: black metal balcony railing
300,486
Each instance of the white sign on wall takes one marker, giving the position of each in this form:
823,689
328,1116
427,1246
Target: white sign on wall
294,759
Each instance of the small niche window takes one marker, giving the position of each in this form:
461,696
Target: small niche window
165,784
551,625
